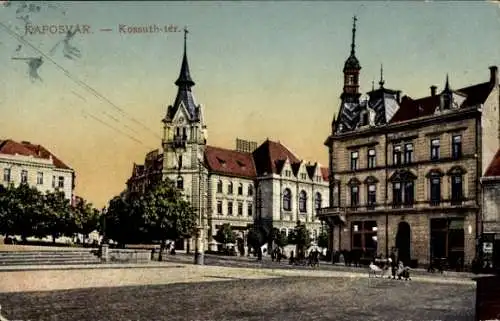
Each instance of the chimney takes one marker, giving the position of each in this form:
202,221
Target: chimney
494,75
433,90
398,96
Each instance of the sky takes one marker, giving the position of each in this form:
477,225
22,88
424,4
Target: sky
262,70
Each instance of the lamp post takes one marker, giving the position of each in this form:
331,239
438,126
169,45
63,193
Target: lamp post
199,248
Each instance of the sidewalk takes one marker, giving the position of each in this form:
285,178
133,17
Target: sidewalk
267,263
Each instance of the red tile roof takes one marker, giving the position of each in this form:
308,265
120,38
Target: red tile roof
324,173
269,156
494,168
230,162
11,147
414,108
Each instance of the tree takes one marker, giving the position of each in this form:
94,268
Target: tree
57,218
255,238
86,217
26,207
292,238
302,238
225,234
323,239
6,209
282,239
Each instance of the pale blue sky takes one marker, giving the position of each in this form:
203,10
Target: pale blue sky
262,69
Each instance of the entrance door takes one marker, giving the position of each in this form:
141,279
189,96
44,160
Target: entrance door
496,254
403,243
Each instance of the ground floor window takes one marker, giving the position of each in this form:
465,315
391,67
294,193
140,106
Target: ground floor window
447,240
364,236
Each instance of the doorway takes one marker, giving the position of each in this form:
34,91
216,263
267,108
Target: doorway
403,243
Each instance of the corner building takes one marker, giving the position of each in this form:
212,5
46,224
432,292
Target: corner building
405,173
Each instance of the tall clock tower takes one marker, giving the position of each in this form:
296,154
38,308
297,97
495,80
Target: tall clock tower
184,141
349,108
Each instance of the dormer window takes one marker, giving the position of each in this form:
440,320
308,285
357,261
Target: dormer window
303,176
365,119
447,98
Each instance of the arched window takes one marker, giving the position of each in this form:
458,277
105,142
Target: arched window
317,201
303,202
180,182
230,188
287,200
219,187
250,190
240,189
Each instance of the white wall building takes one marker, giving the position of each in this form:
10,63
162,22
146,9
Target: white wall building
35,165
266,183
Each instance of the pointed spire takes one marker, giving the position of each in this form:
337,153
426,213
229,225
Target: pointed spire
185,76
447,85
373,85
381,82
353,44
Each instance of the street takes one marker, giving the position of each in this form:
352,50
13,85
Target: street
189,292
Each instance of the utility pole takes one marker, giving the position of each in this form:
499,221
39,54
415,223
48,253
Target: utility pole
199,248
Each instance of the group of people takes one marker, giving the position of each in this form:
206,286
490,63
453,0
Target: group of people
397,268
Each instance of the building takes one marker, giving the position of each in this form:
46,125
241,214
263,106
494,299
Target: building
405,173
491,212
34,165
267,184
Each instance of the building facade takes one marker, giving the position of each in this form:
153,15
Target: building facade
405,173
265,184
491,213
36,166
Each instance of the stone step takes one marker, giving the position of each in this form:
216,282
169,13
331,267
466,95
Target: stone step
49,262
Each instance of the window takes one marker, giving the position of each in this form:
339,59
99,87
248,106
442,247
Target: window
288,173
396,155
435,149
372,195
240,189
39,178
303,202
317,202
24,176
53,182
230,208
409,191
354,161
219,187
250,209
408,153
354,196
240,208
230,188
303,176
364,236
219,207
6,174
456,189
397,195
435,189
371,158
60,182
180,182
179,162
250,190
287,200
456,146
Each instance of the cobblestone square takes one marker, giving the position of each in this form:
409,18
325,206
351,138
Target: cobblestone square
285,298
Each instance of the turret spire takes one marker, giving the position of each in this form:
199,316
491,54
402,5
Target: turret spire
185,76
353,44
447,85
381,82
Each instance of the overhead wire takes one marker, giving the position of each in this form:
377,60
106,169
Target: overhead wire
79,82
